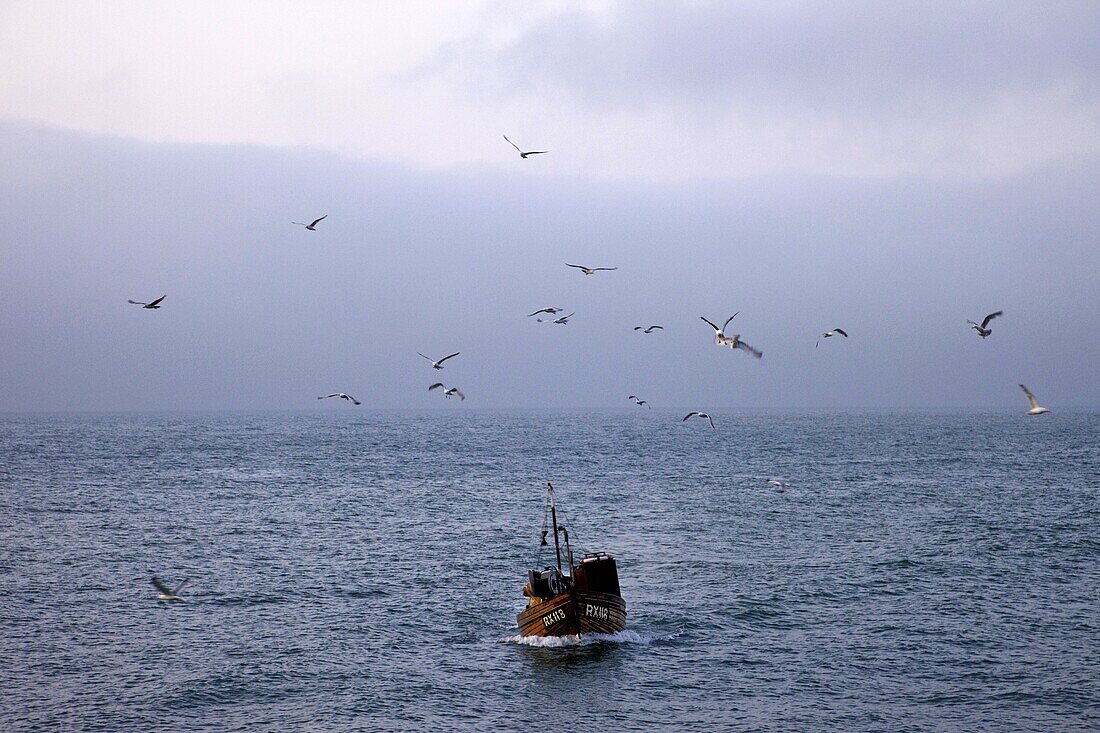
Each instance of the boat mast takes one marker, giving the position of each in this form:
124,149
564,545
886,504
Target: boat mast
554,518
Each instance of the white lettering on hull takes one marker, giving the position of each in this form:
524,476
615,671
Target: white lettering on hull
553,617
597,612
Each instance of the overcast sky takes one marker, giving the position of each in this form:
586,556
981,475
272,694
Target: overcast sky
889,168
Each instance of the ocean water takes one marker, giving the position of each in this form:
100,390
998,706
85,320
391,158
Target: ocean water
355,570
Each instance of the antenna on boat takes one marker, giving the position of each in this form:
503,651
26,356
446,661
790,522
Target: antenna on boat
554,519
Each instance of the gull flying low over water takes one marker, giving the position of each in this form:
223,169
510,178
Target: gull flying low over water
563,321
439,364
639,402
650,329
829,335
699,415
1036,408
523,154
591,270
312,226
166,593
152,305
342,396
551,310
982,330
734,341
779,485
448,392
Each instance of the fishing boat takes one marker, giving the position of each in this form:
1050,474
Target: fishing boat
579,598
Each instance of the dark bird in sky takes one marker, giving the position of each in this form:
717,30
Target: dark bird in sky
154,305
699,415
312,226
982,330
591,270
563,321
166,593
551,310
342,396
650,329
523,154
734,341
448,392
439,364
829,335
1036,408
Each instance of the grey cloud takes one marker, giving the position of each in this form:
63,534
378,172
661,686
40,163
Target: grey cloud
825,55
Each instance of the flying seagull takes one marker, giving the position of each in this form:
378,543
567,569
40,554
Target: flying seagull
829,335
312,226
529,152
563,321
1036,408
590,270
779,485
639,402
734,341
166,593
439,364
651,329
551,310
342,396
154,305
700,415
982,330
448,392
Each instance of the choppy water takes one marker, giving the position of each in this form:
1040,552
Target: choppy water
353,570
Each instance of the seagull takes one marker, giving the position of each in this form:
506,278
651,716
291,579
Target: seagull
699,414
529,152
1036,409
639,402
829,335
551,310
448,392
734,341
166,593
439,364
651,329
982,330
150,306
342,396
312,226
563,321
779,485
590,270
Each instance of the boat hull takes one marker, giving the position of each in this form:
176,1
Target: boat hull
572,613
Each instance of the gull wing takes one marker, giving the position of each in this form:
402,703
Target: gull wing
541,310
512,144
990,317
458,392
537,152
690,414
160,586
136,302
426,357
716,329
604,268
445,358
636,328
975,325
353,400
436,386
711,422
315,222
654,328
1030,397
728,320
841,332
176,590
579,267
745,347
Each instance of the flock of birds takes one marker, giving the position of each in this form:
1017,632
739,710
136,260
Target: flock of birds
721,338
